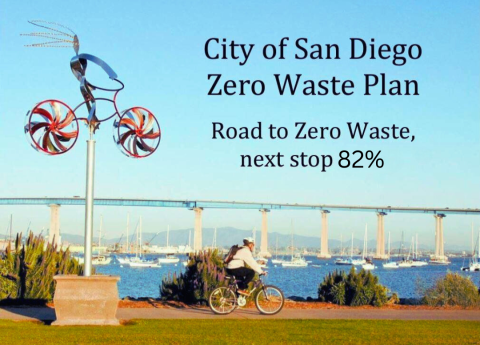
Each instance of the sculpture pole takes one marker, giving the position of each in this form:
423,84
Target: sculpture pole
89,206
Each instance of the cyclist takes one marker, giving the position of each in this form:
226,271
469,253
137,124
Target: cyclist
236,266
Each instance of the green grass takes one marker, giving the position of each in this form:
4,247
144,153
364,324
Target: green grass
249,332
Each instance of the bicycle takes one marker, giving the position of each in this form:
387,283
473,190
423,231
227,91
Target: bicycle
269,299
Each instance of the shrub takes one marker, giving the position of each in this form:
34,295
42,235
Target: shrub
352,289
452,290
203,274
27,271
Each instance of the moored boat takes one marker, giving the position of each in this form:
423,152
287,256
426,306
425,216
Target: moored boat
474,264
297,260
389,264
146,264
101,260
168,259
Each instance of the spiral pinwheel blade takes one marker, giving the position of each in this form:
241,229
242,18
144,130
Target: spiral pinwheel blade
51,127
137,132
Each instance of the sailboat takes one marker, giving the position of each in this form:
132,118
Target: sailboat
389,264
187,249
100,260
126,260
341,260
297,259
474,264
406,263
368,265
169,258
8,236
416,262
351,260
137,261
277,260
346,261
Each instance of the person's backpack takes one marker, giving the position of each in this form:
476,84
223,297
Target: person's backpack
231,253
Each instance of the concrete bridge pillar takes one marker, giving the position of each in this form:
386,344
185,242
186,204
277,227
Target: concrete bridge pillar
439,242
54,231
380,250
264,239
324,254
197,232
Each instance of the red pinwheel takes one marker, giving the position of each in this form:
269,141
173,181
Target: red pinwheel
52,127
137,132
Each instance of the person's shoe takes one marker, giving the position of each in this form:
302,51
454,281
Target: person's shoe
243,292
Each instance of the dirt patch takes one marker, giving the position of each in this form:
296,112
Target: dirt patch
151,303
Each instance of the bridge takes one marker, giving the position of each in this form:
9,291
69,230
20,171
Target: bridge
199,205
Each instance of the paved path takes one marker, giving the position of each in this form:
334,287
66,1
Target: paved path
48,314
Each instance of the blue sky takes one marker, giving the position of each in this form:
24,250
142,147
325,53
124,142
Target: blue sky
157,49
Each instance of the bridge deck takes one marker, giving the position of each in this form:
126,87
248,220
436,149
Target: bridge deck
234,205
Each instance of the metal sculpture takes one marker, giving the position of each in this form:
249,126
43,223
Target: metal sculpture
52,126
137,132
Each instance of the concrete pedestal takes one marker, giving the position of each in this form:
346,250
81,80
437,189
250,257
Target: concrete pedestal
86,300
324,254
264,253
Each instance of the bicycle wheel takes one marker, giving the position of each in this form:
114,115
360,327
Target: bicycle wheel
51,127
222,301
269,300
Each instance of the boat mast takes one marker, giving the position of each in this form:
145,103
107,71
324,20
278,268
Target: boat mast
254,233
136,241
341,245
292,240
478,246
276,249
410,249
128,225
473,249
168,235
10,234
401,248
351,248
214,242
140,236
416,247
365,243
100,234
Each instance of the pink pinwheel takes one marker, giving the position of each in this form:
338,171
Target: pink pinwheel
137,132
52,127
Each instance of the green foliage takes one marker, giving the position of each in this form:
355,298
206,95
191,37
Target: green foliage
203,274
452,290
27,271
352,289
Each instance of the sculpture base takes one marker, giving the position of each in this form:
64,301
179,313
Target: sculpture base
86,300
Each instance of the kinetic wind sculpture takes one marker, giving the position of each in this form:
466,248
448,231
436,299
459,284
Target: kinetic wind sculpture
52,126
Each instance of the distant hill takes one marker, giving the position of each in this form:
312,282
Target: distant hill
228,236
